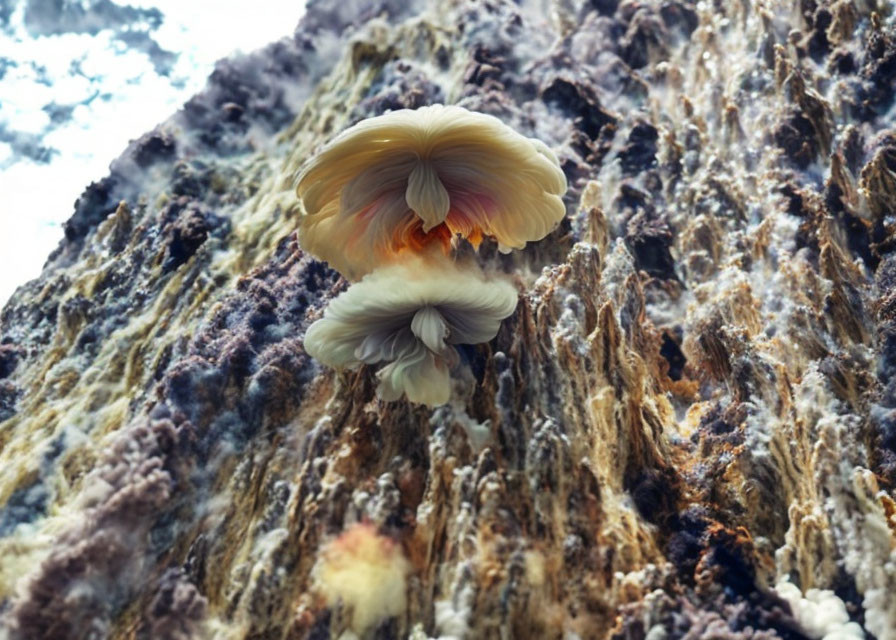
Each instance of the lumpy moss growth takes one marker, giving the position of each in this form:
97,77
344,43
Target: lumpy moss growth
692,402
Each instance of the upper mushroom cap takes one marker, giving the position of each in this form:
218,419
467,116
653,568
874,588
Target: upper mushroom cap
402,180
410,315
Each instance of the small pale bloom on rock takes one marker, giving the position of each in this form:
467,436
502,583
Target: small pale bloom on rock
410,178
366,572
409,316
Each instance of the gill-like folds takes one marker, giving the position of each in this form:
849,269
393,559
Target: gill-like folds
427,196
411,178
409,316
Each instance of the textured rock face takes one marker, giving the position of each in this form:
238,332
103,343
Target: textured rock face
693,401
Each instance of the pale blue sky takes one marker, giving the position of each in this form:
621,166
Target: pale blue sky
86,95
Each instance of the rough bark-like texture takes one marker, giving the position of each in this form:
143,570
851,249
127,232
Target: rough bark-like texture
694,401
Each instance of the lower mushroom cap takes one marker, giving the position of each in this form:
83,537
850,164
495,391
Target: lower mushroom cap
410,315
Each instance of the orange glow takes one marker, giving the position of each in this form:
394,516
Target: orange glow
417,239
411,179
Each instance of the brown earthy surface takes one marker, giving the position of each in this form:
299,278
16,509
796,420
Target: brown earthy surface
694,402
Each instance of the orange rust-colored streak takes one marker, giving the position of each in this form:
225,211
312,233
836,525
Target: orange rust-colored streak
475,237
415,240
419,239
889,506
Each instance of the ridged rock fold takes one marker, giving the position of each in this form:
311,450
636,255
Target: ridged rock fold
693,402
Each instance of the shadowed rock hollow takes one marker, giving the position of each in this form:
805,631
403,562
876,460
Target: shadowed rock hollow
693,403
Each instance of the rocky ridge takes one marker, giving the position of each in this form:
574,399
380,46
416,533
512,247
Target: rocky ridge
693,402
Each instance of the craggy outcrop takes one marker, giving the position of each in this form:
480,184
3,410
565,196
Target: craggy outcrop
693,402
